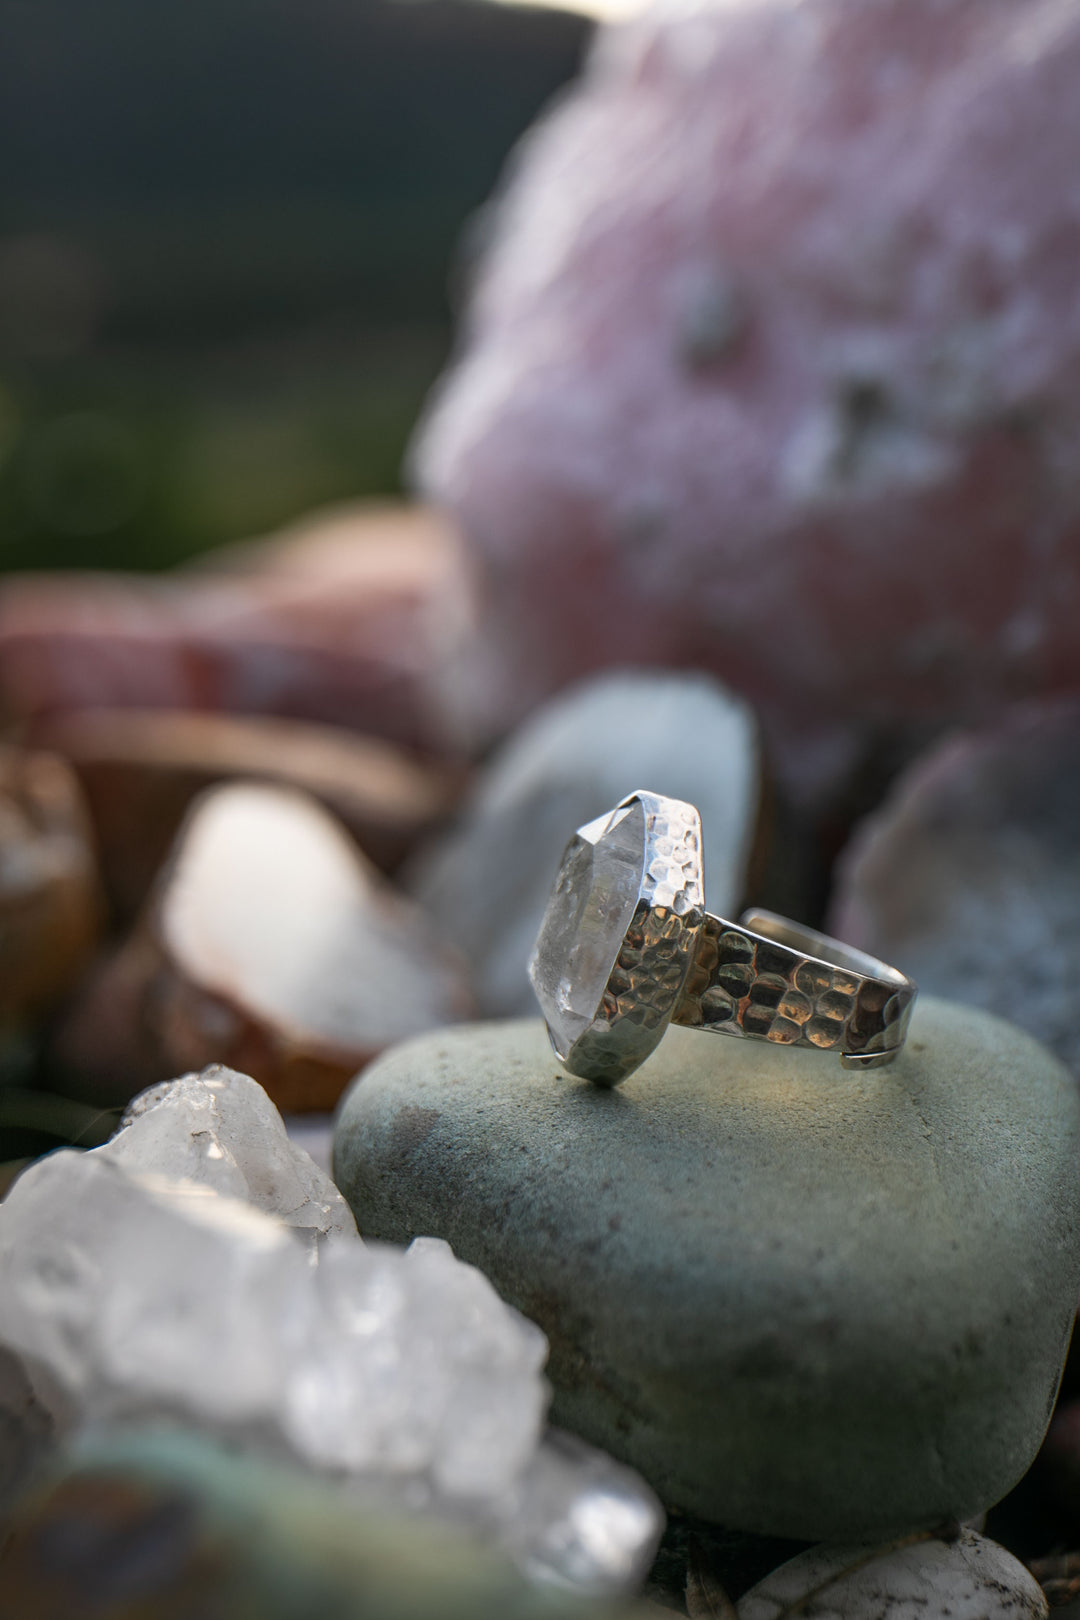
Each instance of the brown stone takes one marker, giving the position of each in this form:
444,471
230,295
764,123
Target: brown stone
272,945
105,1048
49,906
140,769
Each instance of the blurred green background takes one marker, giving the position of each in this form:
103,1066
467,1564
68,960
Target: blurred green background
230,231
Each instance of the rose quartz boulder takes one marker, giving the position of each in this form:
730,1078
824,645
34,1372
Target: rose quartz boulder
773,363
968,876
351,618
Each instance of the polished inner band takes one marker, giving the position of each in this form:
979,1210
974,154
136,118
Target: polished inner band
821,947
773,979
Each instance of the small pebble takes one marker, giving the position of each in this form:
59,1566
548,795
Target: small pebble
969,1578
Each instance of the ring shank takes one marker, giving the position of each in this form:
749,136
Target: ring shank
772,979
808,942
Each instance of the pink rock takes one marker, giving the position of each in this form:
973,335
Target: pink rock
350,619
968,877
773,366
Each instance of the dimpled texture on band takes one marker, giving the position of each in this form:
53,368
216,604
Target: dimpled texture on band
743,984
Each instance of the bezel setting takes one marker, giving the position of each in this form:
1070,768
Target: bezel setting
650,958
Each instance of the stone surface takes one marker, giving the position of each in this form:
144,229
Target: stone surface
219,1129
159,1525
487,884
129,1299
803,1301
273,946
772,366
970,1578
351,618
49,901
969,873
140,769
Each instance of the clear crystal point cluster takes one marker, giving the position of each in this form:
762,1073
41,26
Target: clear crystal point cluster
201,1269
590,909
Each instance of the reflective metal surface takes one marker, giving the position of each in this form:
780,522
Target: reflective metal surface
764,977
779,981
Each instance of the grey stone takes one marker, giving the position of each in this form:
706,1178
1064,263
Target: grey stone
969,873
969,1578
487,883
802,1301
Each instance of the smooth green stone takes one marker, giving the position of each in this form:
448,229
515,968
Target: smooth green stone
802,1301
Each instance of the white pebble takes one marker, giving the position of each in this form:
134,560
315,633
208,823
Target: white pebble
970,1578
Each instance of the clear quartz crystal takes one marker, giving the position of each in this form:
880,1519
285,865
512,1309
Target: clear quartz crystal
145,1298
220,1130
590,909
576,1518
169,1278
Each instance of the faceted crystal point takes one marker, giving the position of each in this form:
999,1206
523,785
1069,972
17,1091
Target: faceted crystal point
220,1129
590,910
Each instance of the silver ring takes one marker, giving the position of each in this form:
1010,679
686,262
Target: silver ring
626,948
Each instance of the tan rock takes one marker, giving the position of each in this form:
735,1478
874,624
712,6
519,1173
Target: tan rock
49,910
140,769
272,946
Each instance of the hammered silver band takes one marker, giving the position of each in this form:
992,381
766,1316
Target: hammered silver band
776,980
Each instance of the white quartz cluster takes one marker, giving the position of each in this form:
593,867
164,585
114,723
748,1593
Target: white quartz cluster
220,1130
200,1268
